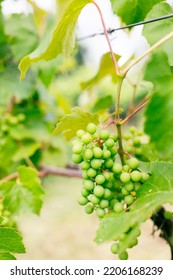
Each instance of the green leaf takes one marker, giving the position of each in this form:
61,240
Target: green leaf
6,256
159,117
10,241
79,119
157,191
25,151
63,38
156,31
25,194
106,68
134,10
103,103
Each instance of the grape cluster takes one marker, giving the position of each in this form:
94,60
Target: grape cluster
10,120
134,140
6,215
108,185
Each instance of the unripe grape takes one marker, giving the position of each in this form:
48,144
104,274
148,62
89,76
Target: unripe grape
133,163
168,215
91,172
94,199
124,191
107,176
118,207
104,203
136,141
85,165
123,255
100,213
91,128
80,133
96,163
122,236
133,242
85,175
125,177
84,192
136,176
107,194
127,136
82,200
104,134
126,168
128,149
138,151
129,186
145,177
113,151
89,185
114,137
137,186
137,232
117,168
77,158
132,129
108,163
99,191
109,143
97,152
89,209
100,179
129,199
106,154
77,148
88,154
86,138
115,248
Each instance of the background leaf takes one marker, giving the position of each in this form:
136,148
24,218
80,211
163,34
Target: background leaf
10,241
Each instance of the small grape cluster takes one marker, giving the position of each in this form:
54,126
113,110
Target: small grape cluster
6,215
134,140
10,120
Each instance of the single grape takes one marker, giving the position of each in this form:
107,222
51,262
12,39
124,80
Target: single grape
84,192
132,129
136,141
85,175
133,242
113,151
145,177
104,134
123,255
124,191
129,186
118,207
99,191
106,154
91,172
89,185
125,177
82,200
96,163
108,163
137,186
107,194
85,165
94,199
122,236
86,138
136,176
117,168
129,199
76,158
132,163
100,213
109,143
137,232
104,203
88,154
89,208
98,153
91,128
115,248
107,176
126,168
168,215
100,179
80,133
77,148
114,137
138,151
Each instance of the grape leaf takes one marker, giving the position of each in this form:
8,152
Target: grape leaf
134,10
10,241
154,193
79,119
156,31
158,125
25,194
6,256
106,68
25,151
63,38
103,103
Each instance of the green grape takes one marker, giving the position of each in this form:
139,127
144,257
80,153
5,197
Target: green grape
100,179
129,186
80,133
84,192
85,175
115,248
123,255
136,141
137,232
128,149
133,242
76,158
108,185
86,138
109,143
85,165
126,168
104,203
124,191
114,137
138,151
113,151
117,168
129,199
106,154
145,177
91,128
77,148
89,208
91,172
137,186
98,153
96,163
133,163
127,136
89,185
88,154
100,213
122,236
132,129
113,202
125,177
104,134
99,191
118,207
168,215
82,200
108,163
107,194
94,199
107,176
136,176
